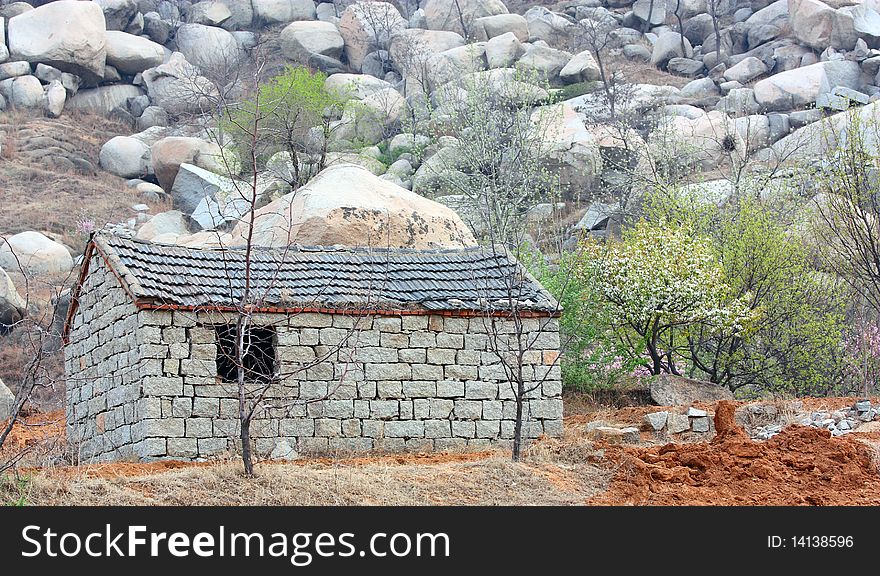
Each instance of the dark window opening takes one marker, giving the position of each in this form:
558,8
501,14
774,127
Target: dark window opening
258,360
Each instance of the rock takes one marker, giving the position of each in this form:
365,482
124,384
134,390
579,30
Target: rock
132,54
488,27
157,29
12,306
346,204
47,74
668,46
7,402
117,13
698,28
193,184
696,413
700,88
208,47
56,96
502,51
637,52
812,22
103,99
24,92
459,16
862,406
452,64
14,69
283,451
411,49
669,390
652,12
865,23
571,150
581,68
77,43
686,67
739,102
150,191
706,141
545,62
275,11
656,420
700,424
677,423
37,254
548,26
746,70
367,27
169,153
125,157
177,87
377,116
209,13
767,24
172,222
152,116
299,40
796,88
614,435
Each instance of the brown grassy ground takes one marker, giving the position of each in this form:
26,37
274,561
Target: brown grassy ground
39,196
801,466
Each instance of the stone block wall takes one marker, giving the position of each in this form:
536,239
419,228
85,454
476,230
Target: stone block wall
389,383
102,362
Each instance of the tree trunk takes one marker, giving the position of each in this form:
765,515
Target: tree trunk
517,428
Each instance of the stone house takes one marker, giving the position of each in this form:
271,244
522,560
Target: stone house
363,349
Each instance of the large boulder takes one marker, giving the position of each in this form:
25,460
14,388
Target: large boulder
570,149
178,87
125,157
581,68
800,87
103,99
668,46
746,70
164,224
668,390
275,11
56,97
766,24
34,254
705,141
548,26
68,35
545,62
118,13
193,184
299,40
169,153
412,48
503,51
12,306
460,15
348,205
812,22
489,27
131,54
367,27
24,92
208,47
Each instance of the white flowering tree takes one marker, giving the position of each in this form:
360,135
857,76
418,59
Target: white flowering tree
659,282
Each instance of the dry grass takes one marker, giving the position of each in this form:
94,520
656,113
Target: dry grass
488,480
40,196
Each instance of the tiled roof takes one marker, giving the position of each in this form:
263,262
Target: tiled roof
474,279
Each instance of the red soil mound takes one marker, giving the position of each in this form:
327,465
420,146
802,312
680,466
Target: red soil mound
801,465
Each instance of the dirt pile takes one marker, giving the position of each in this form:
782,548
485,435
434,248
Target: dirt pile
800,466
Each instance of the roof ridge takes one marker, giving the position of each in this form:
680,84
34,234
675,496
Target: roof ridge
112,239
